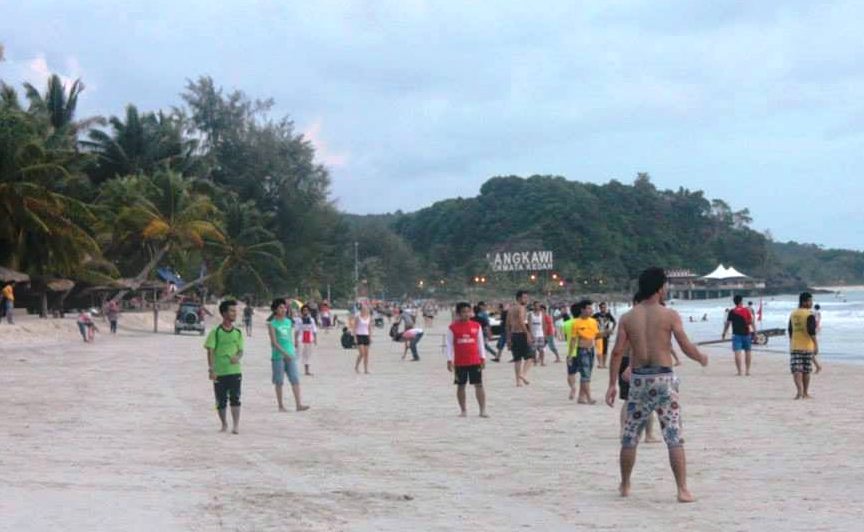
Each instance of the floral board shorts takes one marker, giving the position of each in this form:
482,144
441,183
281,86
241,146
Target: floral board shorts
653,389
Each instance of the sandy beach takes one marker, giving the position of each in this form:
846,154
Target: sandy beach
122,435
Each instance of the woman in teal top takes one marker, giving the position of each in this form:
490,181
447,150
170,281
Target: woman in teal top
283,355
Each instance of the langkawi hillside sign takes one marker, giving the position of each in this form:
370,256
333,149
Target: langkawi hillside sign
520,261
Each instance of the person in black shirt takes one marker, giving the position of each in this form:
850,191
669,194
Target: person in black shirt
607,324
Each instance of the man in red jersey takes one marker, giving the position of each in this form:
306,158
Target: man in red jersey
465,354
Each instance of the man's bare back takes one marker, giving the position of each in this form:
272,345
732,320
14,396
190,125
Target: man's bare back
647,332
517,318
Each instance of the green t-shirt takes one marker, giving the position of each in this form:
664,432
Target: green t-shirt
225,344
284,331
568,330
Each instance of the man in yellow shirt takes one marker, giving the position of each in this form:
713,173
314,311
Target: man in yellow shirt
583,334
9,300
803,345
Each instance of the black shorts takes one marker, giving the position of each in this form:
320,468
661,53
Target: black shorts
227,387
519,346
466,374
363,339
623,386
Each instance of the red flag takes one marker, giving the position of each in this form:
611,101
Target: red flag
759,312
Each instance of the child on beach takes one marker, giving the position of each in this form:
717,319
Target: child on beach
466,356
306,336
224,347
86,325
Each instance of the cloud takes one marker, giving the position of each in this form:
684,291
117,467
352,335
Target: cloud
36,71
323,152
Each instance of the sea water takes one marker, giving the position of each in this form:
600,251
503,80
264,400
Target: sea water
840,336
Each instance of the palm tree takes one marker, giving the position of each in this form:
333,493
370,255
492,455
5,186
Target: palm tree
163,214
142,143
56,108
248,251
42,231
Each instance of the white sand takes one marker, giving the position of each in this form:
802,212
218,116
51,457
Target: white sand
121,435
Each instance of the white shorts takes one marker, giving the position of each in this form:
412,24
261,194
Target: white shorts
306,351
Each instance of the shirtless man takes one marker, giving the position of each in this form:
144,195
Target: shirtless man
519,338
646,331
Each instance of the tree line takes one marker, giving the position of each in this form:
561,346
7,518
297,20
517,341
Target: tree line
232,198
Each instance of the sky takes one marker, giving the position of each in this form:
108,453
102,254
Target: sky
409,101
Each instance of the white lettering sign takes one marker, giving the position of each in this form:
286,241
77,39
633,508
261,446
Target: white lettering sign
520,261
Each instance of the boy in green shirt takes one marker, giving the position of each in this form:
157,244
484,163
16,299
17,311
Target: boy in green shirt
224,347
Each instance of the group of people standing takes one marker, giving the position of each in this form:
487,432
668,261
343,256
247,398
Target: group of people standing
641,364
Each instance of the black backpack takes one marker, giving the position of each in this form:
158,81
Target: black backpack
394,331
347,339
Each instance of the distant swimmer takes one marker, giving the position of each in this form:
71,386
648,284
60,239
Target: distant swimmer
803,345
466,357
646,331
740,319
519,338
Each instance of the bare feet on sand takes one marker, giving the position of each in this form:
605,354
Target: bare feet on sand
808,396
302,408
235,431
685,496
624,489
484,414
224,428
523,379
283,409
463,414
572,394
799,396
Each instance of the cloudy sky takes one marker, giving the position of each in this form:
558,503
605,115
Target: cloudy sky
412,101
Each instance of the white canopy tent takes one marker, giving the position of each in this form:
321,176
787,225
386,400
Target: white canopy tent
721,273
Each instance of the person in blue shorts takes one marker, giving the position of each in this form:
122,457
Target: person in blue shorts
740,319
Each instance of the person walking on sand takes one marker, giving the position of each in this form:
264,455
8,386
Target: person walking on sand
740,319
283,354
537,323
583,337
9,301
549,332
519,338
482,317
248,311
466,357
803,345
502,338
112,312
361,327
646,331
224,347
306,336
607,327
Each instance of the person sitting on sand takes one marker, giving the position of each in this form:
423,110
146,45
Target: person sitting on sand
224,347
646,331
465,356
